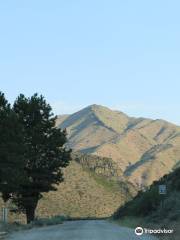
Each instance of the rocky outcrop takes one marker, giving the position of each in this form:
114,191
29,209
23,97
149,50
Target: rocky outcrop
102,166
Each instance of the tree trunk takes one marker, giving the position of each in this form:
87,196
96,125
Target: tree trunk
30,214
30,209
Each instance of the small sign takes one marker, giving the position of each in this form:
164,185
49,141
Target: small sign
162,189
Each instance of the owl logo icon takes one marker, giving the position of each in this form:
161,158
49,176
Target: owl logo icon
139,231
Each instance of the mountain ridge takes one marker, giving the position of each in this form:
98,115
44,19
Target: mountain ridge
101,131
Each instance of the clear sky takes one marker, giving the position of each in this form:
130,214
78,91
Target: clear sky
121,54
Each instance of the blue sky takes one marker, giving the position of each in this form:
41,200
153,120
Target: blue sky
121,54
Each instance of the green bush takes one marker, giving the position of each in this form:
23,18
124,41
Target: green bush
154,205
143,204
170,207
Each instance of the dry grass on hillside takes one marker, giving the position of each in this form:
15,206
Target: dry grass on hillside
82,194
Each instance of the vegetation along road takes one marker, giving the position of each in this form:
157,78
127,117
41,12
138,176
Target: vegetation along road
80,230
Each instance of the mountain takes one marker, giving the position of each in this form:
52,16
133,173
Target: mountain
94,186
144,149
113,155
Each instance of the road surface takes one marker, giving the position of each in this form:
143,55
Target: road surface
80,230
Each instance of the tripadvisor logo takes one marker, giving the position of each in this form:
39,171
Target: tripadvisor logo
139,231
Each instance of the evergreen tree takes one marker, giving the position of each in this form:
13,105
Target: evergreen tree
11,150
45,154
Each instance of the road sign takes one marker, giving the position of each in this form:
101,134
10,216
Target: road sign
162,189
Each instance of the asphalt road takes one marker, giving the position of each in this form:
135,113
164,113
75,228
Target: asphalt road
80,230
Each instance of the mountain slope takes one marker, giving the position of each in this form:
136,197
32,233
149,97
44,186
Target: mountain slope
92,187
144,149
154,210
83,194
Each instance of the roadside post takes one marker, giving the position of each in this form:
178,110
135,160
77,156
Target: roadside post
163,192
5,214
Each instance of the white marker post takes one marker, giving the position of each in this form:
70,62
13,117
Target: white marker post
5,215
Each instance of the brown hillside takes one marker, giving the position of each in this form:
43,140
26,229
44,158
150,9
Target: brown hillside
82,194
92,187
137,145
